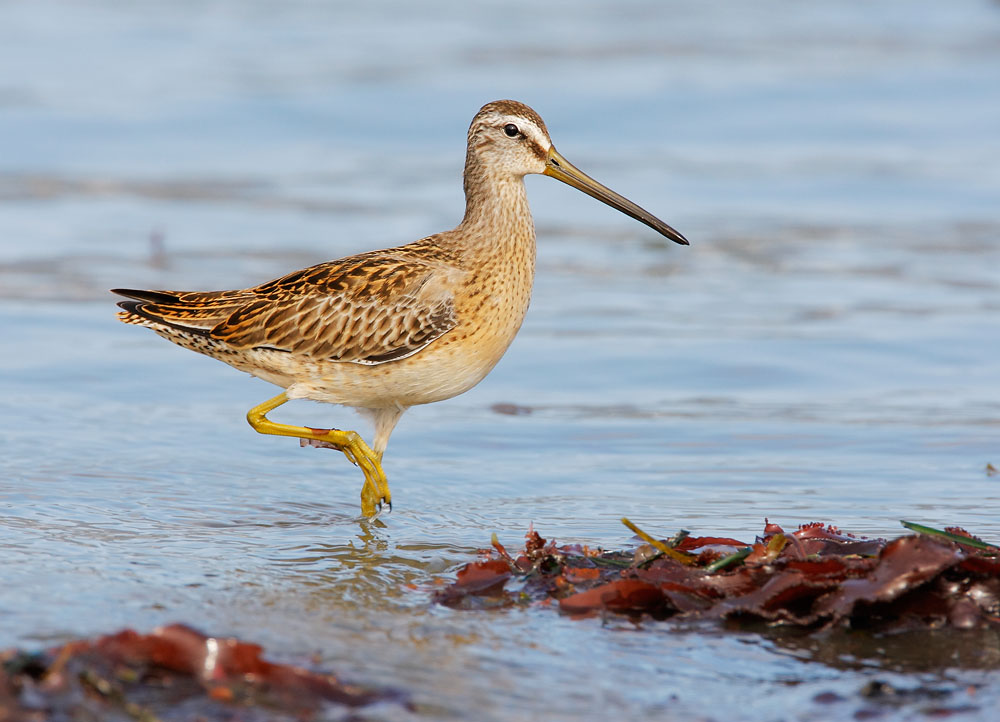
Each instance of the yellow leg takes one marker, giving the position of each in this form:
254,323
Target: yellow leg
375,491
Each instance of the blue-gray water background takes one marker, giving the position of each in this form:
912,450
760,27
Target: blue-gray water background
826,349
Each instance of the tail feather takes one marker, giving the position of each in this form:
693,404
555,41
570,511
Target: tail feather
148,296
194,312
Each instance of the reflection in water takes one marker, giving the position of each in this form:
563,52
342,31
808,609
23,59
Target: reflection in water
825,350
916,651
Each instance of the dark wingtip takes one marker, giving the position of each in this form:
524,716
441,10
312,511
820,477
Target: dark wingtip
147,296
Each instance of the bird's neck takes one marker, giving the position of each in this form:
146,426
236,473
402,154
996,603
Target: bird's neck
497,217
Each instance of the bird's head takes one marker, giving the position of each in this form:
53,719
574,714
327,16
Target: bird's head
509,138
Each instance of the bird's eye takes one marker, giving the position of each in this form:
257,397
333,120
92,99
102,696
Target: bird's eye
511,130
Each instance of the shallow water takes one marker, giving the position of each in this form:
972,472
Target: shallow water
827,348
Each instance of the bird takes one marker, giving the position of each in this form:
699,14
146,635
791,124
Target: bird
388,329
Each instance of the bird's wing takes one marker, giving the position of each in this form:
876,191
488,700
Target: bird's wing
369,309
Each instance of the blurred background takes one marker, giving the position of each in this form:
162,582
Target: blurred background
826,349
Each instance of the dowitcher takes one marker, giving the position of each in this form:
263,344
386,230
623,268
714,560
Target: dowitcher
386,330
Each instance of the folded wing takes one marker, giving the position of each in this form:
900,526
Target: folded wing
366,309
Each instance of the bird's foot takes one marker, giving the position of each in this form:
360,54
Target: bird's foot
373,501
375,494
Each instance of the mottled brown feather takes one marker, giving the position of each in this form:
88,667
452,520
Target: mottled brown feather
370,308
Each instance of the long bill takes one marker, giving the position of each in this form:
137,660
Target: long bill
561,169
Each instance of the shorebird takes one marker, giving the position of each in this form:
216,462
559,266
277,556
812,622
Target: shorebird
385,330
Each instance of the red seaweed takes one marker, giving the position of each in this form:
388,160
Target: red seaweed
174,673
816,577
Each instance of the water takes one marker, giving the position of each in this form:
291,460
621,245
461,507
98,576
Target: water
827,349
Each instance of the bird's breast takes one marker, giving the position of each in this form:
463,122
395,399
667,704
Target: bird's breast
490,297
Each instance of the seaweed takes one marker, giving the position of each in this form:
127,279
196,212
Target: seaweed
816,577
173,673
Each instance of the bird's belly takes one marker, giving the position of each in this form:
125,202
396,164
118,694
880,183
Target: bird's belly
429,376
447,367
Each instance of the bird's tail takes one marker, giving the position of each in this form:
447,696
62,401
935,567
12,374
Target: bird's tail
191,311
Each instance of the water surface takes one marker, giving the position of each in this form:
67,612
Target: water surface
826,349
